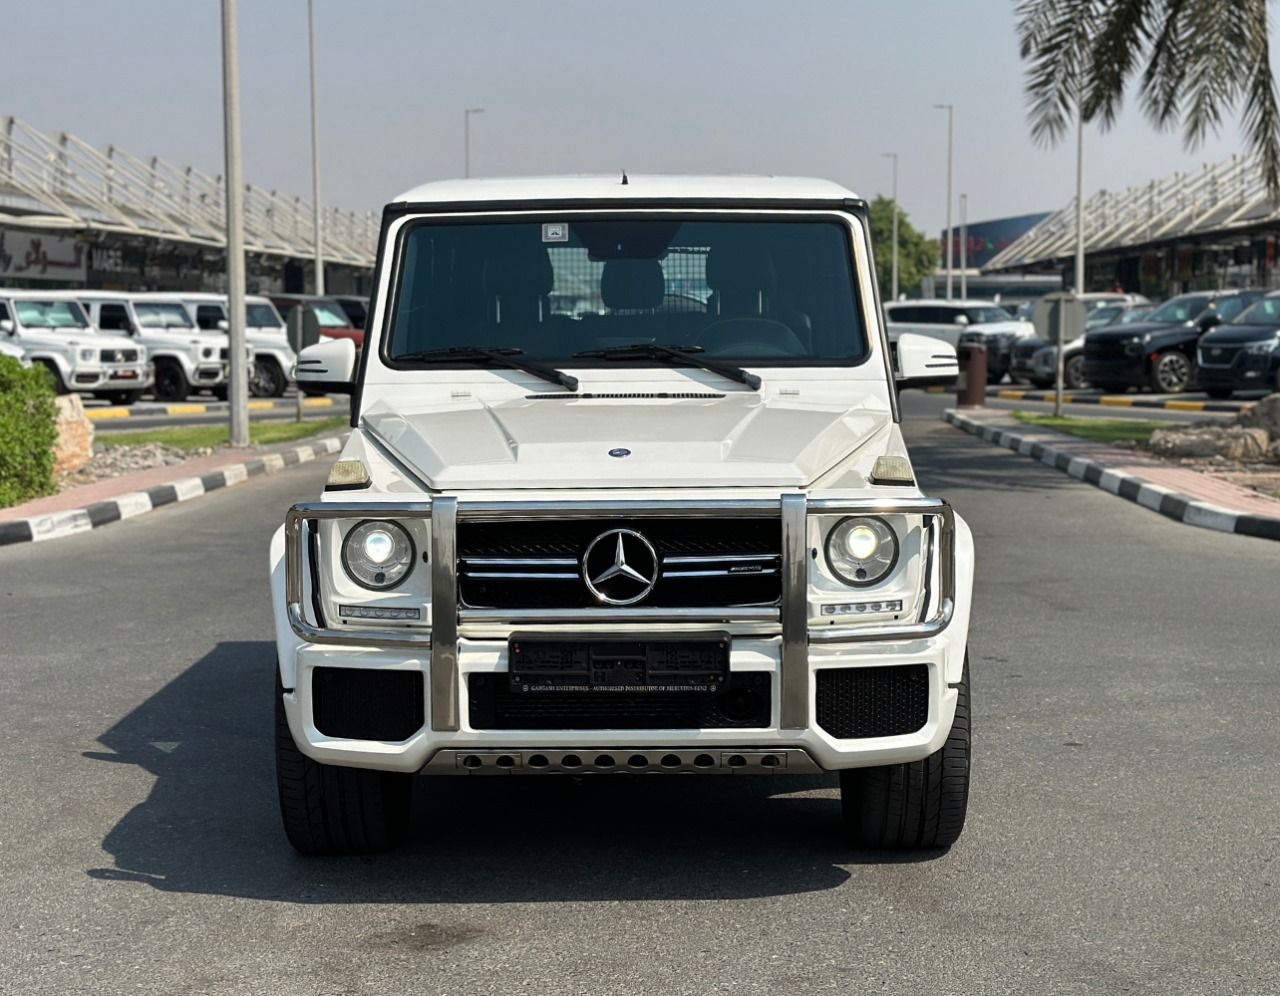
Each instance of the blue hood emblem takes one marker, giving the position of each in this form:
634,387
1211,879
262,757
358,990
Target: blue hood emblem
620,452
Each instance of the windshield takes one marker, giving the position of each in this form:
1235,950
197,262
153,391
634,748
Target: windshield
263,316
330,316
781,291
1103,316
992,314
1134,315
1264,311
1180,309
161,315
50,314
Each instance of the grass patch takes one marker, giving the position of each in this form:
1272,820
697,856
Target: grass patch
1100,430
199,437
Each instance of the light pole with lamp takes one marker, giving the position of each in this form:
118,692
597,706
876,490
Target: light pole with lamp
466,138
951,113
894,157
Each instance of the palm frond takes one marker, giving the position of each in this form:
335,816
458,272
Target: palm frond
1161,85
1261,115
1054,38
1123,35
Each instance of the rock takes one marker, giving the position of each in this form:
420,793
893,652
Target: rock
74,447
1230,442
1264,415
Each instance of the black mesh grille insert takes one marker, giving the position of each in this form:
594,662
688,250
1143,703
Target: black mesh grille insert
361,704
744,703
856,702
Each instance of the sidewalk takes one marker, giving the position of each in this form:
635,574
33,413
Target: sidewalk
1185,495
90,506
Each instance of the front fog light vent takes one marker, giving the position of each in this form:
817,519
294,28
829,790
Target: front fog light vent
377,612
855,608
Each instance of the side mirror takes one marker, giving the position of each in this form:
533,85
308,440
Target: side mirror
223,325
1209,321
961,319
924,361
6,326
328,366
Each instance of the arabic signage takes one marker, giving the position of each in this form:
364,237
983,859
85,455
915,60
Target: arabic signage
38,256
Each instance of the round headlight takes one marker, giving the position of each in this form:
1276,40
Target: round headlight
862,550
208,354
86,355
378,555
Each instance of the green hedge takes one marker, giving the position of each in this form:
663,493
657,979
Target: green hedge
28,432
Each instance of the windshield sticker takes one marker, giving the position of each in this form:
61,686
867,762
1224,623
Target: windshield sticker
555,231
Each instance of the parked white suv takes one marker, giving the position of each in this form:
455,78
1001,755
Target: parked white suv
966,320
273,357
667,526
52,330
185,358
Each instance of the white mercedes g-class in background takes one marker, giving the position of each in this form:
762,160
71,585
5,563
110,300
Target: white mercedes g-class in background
52,330
625,492
185,358
273,357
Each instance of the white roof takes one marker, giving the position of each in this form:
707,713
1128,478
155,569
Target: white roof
214,297
638,187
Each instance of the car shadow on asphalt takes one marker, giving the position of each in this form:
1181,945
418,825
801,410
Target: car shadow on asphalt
210,824
946,458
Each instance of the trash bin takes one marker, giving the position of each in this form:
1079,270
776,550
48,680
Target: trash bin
971,388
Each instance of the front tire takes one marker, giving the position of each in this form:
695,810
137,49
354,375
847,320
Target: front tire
1170,373
171,382
327,809
1073,374
267,380
917,805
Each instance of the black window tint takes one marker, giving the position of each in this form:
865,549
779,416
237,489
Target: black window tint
4,312
114,318
209,315
906,313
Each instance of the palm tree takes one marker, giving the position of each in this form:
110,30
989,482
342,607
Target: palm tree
1193,60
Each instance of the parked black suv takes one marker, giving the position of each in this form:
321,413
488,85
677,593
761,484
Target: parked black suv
1160,352
1244,353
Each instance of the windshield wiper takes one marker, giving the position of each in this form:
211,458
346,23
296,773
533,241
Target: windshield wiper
503,356
685,354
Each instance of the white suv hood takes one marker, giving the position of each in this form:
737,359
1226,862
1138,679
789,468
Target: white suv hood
737,441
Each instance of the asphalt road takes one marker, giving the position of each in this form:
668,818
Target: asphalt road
1122,835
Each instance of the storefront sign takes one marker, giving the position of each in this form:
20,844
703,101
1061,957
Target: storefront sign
37,256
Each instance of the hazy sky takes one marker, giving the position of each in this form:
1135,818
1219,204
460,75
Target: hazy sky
741,86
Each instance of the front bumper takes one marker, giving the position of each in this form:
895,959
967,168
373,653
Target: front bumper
113,377
1129,371
778,641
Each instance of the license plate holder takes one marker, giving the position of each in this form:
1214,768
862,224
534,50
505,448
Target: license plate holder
661,663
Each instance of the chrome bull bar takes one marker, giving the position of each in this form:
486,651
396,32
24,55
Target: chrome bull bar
448,618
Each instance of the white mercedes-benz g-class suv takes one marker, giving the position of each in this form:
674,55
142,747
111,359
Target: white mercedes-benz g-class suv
52,330
185,358
625,492
264,330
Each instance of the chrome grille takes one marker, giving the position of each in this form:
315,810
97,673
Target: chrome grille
702,562
1217,356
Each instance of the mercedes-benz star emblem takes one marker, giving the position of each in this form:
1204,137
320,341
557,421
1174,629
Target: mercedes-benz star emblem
620,567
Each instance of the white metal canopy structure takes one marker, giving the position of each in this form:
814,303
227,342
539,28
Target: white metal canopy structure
67,184
1220,198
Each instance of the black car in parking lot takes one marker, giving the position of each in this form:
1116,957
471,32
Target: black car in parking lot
1160,352
1244,353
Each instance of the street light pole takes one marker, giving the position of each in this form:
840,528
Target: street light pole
964,246
1079,276
951,113
315,150
894,157
466,138
238,388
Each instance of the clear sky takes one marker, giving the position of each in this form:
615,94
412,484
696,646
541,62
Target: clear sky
814,87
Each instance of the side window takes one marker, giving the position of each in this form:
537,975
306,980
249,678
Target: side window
208,316
114,318
4,312
907,313
939,315
1229,307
